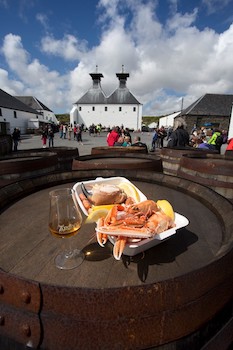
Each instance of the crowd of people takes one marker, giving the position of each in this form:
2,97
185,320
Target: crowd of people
70,132
178,137
120,136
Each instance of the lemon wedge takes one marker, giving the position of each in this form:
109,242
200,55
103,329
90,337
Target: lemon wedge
95,215
99,207
130,190
166,207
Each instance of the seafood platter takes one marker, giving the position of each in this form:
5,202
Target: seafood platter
124,216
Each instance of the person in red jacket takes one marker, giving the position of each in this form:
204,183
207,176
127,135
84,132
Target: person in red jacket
112,137
229,146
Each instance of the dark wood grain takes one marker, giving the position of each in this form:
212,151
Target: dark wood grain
27,248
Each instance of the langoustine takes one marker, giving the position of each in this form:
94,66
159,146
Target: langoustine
141,220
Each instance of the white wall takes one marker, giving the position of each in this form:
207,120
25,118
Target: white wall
168,120
49,116
112,117
21,120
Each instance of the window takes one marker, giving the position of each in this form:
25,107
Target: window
93,108
105,108
120,109
15,115
134,109
0,112
80,108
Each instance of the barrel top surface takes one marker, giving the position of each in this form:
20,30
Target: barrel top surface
28,250
111,160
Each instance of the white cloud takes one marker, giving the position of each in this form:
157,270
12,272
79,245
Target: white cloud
165,61
42,18
69,48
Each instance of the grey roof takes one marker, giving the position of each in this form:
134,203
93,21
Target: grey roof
210,105
33,102
122,96
10,102
93,96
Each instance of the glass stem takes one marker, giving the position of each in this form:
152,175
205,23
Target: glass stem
68,250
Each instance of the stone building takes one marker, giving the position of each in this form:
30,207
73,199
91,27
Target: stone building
120,108
210,110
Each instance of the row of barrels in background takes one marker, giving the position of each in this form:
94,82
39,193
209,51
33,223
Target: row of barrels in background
207,168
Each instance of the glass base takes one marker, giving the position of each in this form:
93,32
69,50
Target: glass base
69,260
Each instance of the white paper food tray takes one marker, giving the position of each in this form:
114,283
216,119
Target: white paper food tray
111,180
137,247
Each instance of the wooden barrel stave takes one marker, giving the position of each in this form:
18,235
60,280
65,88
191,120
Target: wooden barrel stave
117,149
214,171
118,161
171,157
14,167
171,309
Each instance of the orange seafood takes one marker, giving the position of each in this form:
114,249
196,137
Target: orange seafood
146,208
140,220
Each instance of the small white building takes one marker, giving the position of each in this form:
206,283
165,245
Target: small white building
14,114
168,120
23,112
45,114
120,108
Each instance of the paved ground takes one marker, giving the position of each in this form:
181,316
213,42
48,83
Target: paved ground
34,141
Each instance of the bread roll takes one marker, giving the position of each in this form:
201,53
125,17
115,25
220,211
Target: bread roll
107,194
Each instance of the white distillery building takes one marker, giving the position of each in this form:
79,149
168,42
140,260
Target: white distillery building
120,108
14,114
46,115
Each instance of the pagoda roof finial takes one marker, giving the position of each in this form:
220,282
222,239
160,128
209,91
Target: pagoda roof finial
122,68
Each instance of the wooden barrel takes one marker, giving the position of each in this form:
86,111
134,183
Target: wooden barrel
5,144
144,162
118,149
65,155
21,165
171,157
214,171
178,294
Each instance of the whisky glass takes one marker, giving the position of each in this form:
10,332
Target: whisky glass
65,221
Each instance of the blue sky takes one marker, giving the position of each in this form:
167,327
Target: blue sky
172,49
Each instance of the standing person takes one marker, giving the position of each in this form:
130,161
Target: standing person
180,136
112,137
75,131
229,149
50,136
16,138
70,129
216,140
64,131
79,134
61,131
44,138
162,135
154,140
